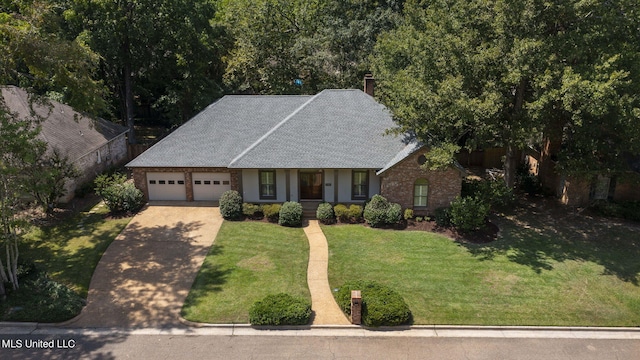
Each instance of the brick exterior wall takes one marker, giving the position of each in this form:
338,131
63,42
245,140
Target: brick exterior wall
628,189
396,184
140,178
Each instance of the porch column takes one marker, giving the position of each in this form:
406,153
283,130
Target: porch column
287,177
335,185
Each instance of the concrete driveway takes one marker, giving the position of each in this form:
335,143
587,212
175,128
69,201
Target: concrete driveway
145,275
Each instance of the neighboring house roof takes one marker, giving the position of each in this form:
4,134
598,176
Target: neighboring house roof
333,129
63,128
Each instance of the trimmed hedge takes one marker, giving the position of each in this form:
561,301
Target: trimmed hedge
342,213
251,210
290,214
280,309
468,213
375,212
325,214
381,306
231,205
271,211
355,212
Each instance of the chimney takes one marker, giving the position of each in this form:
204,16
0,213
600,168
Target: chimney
369,84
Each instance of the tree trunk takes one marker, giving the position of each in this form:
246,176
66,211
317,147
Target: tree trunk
128,102
510,164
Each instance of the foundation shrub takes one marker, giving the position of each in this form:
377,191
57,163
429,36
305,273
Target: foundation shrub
290,214
355,212
231,205
342,213
271,211
325,214
468,213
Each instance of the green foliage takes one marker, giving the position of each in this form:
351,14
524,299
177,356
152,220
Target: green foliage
271,211
355,212
492,192
394,214
231,205
103,181
280,309
40,299
441,157
342,213
375,212
46,177
517,73
251,210
123,198
408,214
419,218
290,214
442,216
468,213
325,214
629,210
381,306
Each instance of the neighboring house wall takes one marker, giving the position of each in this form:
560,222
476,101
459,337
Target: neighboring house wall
627,189
397,185
140,177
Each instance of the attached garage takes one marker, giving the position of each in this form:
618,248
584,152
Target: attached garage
166,186
210,186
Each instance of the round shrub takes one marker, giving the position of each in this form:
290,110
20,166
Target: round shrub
231,205
442,217
271,211
325,214
375,212
468,213
394,214
290,214
122,197
408,214
342,213
280,309
381,305
355,212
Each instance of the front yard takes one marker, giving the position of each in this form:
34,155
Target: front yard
546,268
247,261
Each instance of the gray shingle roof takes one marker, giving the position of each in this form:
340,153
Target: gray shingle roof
70,132
220,132
333,129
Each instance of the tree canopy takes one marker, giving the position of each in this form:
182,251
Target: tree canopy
511,73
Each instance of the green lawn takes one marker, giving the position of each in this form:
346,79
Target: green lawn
543,270
247,261
70,251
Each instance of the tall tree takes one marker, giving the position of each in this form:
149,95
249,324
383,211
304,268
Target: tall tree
288,47
34,56
165,53
17,144
503,72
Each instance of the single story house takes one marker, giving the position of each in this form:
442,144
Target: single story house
275,148
91,144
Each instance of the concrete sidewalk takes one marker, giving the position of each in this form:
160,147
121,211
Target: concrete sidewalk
324,307
145,275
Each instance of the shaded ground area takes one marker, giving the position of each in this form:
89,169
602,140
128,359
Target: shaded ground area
146,273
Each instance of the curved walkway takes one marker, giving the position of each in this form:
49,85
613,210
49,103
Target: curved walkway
144,276
323,305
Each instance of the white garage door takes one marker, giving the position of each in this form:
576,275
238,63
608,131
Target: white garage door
210,186
166,186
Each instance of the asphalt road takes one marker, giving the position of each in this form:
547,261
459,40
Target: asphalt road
154,347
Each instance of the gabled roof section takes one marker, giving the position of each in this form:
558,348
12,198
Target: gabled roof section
335,129
63,128
222,131
412,147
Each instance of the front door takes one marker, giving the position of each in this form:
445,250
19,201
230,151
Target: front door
311,185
